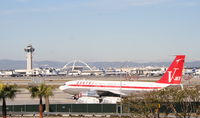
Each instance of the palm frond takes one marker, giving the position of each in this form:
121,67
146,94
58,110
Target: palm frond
8,91
41,90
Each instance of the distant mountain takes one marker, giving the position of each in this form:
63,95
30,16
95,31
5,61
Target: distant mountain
134,64
125,64
54,64
18,64
13,64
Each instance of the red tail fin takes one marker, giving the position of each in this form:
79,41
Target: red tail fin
173,74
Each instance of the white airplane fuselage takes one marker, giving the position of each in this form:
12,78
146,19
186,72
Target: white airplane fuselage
117,87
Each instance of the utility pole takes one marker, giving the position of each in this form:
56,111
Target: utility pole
120,95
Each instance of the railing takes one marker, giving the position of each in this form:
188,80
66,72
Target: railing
65,109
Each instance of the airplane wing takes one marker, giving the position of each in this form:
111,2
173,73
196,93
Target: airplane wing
109,92
94,92
117,92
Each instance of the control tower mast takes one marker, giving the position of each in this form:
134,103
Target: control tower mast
29,50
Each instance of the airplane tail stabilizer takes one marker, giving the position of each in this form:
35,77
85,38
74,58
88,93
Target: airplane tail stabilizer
173,75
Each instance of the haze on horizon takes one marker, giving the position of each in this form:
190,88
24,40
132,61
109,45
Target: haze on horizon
100,30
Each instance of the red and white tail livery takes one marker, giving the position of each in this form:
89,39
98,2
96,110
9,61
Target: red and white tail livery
172,76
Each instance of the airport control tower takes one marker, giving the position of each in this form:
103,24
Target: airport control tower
29,50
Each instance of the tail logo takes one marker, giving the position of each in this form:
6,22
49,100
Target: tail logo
171,76
178,60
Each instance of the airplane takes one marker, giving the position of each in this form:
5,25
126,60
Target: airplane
172,76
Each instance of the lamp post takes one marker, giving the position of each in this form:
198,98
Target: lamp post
120,95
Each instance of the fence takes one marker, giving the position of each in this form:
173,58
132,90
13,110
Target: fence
67,108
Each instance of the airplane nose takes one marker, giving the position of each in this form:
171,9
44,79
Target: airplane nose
62,88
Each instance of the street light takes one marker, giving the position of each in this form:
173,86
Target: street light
120,98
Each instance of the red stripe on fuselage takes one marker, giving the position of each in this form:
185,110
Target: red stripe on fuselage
109,86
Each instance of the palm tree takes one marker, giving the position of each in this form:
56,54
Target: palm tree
48,93
7,91
40,91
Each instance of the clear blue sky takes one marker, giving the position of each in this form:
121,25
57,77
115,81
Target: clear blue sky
100,30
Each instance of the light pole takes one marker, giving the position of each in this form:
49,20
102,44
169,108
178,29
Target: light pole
120,95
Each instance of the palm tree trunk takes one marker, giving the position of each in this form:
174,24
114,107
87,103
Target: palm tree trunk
40,108
4,108
47,103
